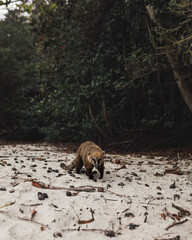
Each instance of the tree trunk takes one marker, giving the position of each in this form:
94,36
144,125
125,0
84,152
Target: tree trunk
181,81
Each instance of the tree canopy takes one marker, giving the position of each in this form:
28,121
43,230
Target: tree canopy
116,72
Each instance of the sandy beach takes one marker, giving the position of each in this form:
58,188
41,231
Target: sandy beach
139,197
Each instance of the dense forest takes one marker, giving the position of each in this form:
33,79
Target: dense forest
116,72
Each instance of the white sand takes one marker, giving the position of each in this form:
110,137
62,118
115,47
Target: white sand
144,195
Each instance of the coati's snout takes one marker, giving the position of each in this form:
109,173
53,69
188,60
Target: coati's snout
96,162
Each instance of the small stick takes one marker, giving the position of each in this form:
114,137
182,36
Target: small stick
186,212
119,195
104,198
145,219
83,229
173,238
114,200
99,188
30,220
106,232
127,209
84,221
31,205
4,212
175,223
169,214
75,213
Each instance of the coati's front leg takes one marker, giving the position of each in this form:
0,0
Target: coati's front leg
89,173
101,170
88,169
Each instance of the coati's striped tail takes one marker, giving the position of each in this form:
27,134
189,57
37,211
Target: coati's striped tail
70,167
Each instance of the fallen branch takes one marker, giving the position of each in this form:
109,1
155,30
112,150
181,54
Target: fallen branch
175,223
40,184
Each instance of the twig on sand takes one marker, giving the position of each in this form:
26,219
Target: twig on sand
40,184
185,212
30,220
83,229
3,212
84,221
173,238
31,205
101,189
89,220
169,214
175,223
119,195
108,233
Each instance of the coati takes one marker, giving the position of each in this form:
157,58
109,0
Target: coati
89,155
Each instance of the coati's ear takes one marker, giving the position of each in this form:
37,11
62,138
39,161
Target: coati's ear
103,152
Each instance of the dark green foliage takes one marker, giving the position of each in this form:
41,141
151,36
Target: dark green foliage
97,75
17,75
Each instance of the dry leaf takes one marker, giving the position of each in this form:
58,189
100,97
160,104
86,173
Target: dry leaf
85,221
35,184
33,214
163,215
8,204
100,189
